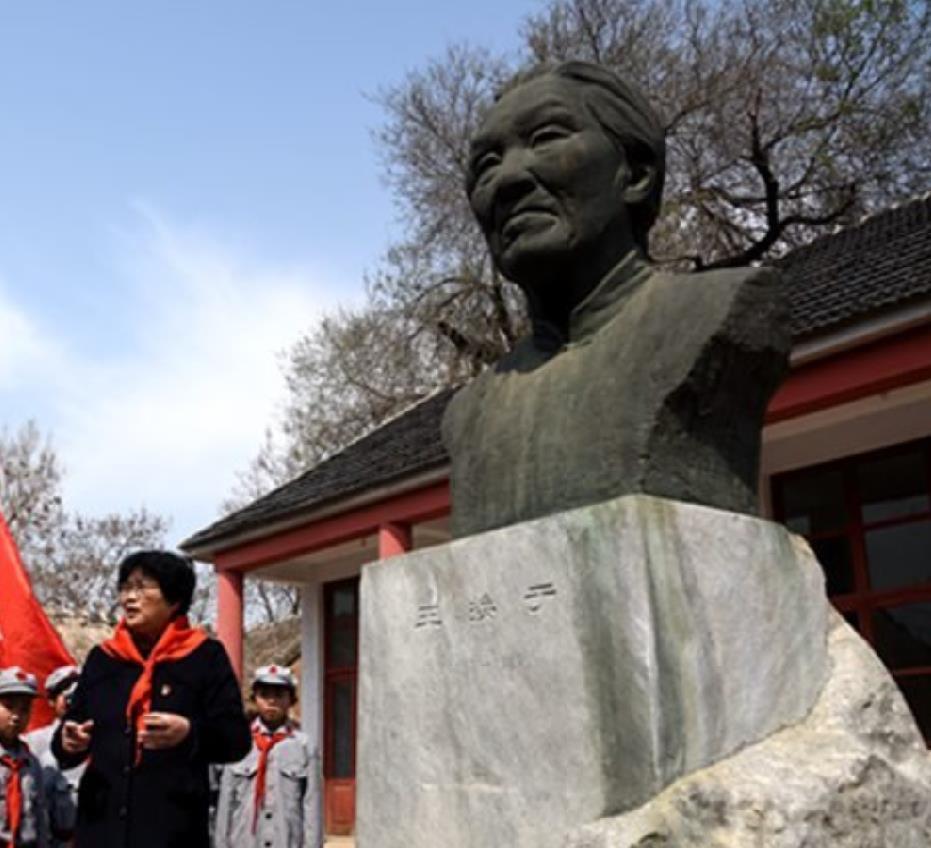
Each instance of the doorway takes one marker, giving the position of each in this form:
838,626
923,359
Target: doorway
340,673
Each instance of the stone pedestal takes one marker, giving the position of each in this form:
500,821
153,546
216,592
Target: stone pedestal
521,683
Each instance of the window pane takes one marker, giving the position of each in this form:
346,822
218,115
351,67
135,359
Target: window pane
342,601
814,502
917,691
341,646
894,486
899,556
902,635
834,556
341,722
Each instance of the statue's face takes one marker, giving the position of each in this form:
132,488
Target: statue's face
546,182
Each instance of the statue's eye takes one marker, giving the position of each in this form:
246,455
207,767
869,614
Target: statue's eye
484,163
548,133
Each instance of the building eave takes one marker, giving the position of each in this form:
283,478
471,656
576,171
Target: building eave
208,550
860,333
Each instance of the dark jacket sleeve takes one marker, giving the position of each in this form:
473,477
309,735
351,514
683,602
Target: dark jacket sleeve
220,733
77,711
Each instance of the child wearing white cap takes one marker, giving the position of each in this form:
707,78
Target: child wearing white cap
61,785
271,799
23,813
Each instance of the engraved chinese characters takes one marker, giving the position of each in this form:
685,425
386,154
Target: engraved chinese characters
484,607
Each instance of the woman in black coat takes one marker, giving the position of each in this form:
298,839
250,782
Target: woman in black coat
155,705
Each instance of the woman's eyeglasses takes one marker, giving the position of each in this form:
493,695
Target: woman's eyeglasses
139,587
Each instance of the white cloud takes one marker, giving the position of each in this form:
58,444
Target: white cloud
26,352
168,421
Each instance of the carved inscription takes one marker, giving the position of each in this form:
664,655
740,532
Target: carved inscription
482,609
428,615
536,596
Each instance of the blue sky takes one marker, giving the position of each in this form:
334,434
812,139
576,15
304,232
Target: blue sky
184,188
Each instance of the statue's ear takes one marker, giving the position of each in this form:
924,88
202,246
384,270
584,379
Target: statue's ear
639,183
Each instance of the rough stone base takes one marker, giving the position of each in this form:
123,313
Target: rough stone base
855,774
518,683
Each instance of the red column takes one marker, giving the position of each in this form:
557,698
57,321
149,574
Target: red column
393,539
229,616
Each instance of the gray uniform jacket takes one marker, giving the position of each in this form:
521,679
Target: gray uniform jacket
33,826
291,816
61,785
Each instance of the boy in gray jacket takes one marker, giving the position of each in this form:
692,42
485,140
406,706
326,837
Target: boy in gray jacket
23,814
272,798
61,785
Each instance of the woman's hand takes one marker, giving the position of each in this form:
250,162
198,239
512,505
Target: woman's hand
163,730
75,737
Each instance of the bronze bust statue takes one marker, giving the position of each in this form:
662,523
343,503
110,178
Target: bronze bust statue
633,379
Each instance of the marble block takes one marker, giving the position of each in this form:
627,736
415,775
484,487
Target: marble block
522,682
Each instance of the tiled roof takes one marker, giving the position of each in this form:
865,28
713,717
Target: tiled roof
883,262
406,445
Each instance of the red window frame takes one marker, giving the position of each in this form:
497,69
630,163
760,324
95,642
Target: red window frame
859,604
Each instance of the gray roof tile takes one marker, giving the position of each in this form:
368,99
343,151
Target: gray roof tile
406,445
881,263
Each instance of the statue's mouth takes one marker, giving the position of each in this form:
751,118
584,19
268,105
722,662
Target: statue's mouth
523,217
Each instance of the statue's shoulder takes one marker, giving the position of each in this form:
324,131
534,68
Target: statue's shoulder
722,279
745,305
727,291
475,397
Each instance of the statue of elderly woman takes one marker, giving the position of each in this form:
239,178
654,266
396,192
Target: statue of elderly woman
633,379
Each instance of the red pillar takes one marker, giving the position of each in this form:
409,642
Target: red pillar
393,539
229,616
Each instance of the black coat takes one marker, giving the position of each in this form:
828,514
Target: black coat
162,802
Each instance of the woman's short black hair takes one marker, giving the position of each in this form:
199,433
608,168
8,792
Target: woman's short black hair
173,573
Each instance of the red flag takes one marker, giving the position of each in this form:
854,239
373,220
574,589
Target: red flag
27,638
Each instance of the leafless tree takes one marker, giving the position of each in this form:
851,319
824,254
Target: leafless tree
30,490
71,558
79,575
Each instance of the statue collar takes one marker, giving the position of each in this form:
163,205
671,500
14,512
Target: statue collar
601,305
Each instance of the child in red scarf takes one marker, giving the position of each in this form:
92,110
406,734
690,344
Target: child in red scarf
272,797
23,814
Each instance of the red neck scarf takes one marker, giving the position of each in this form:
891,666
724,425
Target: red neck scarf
14,790
178,639
264,741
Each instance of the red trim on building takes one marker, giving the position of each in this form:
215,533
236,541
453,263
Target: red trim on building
394,539
229,616
405,509
886,364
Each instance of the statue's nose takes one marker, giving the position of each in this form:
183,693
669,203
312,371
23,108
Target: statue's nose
514,177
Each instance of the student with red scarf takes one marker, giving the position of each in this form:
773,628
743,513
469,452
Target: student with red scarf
156,704
272,798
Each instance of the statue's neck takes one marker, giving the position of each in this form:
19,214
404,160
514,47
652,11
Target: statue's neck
557,304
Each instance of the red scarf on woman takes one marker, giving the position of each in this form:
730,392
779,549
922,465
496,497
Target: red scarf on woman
264,742
14,791
178,639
